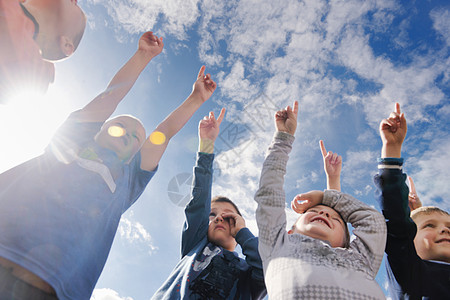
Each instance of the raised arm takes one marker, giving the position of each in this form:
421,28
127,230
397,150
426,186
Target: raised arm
102,107
270,214
405,266
332,164
152,151
198,209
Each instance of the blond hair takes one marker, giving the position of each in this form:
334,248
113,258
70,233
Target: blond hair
427,210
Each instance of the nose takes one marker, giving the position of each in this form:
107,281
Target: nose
218,218
324,213
445,230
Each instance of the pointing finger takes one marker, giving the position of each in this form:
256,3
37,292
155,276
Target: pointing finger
295,107
397,108
412,186
322,148
201,73
221,115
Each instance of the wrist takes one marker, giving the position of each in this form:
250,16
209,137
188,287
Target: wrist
391,151
194,97
144,55
206,146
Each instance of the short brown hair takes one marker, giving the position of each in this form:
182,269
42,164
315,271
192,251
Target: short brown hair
227,200
427,210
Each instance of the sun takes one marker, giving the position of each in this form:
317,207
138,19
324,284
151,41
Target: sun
28,121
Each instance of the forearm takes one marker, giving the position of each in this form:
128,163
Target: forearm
369,226
179,117
334,183
249,246
102,107
392,190
199,206
392,194
270,214
152,152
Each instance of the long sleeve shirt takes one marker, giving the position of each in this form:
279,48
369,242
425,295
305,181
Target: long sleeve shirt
300,267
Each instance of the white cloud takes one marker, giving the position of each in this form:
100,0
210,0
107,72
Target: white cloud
441,22
431,171
234,85
107,294
134,233
135,16
358,170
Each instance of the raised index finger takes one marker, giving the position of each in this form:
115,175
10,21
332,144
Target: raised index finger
411,185
201,73
322,148
295,110
397,108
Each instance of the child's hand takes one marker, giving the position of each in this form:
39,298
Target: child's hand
413,198
302,202
208,130
204,86
286,119
236,222
209,126
151,44
393,132
332,162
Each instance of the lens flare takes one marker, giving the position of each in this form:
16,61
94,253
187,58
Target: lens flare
157,138
116,131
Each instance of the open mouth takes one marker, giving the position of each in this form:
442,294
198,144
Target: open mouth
321,220
443,241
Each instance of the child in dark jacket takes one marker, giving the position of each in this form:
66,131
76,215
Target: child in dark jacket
209,268
418,246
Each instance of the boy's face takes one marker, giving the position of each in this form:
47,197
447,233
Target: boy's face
124,135
219,230
323,223
432,241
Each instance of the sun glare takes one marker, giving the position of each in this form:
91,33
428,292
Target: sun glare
157,138
29,120
116,131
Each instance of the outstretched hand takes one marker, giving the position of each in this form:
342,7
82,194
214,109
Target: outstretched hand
204,86
237,222
413,199
302,202
286,119
393,132
151,44
209,126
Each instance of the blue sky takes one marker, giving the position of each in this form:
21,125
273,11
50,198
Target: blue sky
346,62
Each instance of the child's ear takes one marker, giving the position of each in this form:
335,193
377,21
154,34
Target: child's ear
66,45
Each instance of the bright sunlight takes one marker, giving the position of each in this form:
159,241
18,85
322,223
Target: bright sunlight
29,120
